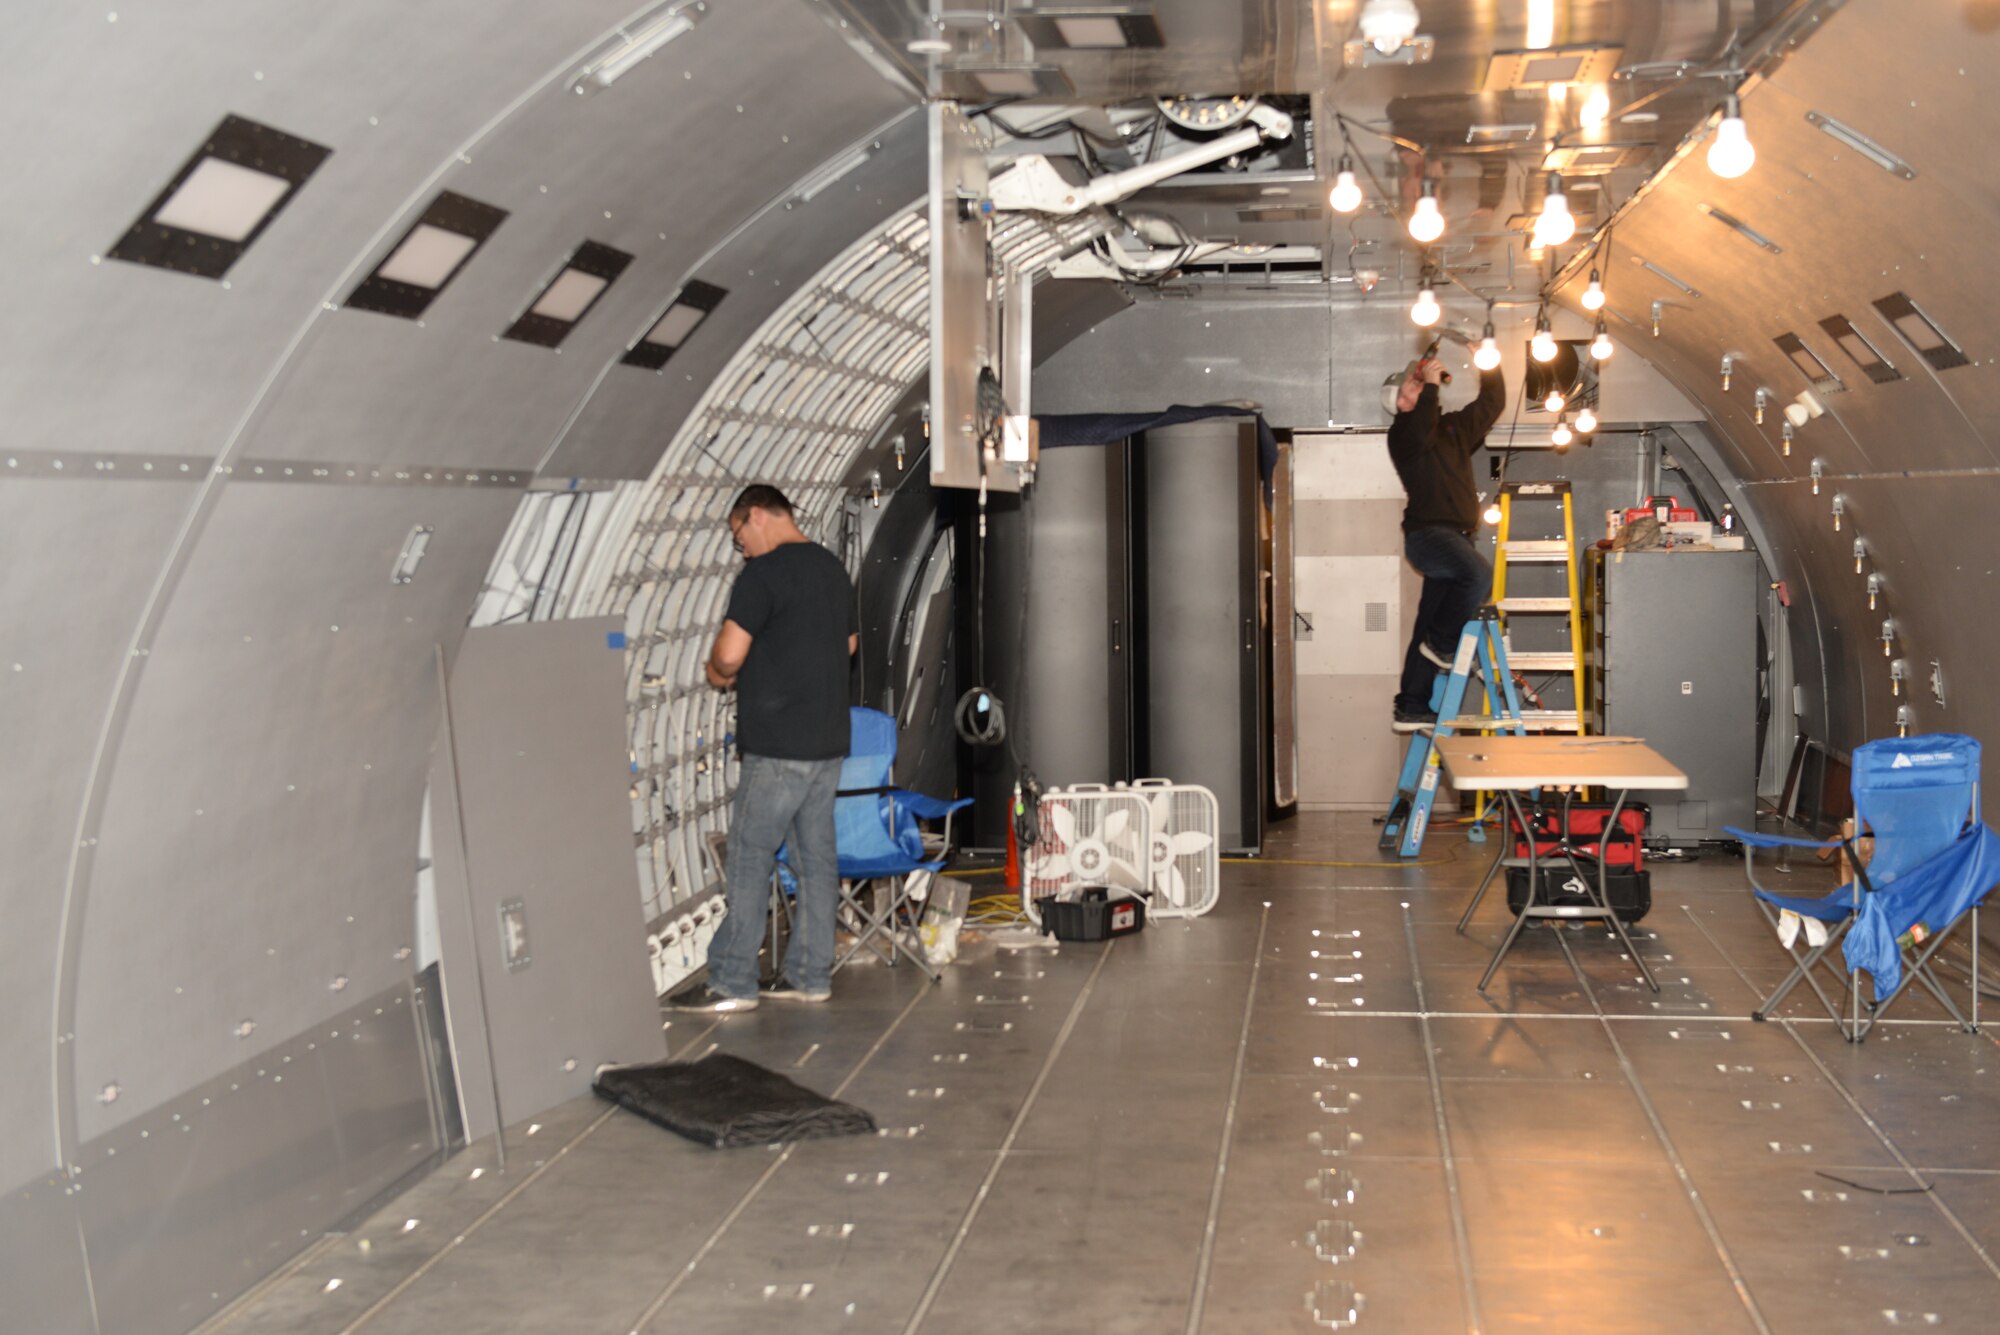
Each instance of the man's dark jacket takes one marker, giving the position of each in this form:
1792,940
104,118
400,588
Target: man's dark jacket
1432,452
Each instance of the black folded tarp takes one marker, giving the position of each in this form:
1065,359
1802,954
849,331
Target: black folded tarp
722,1101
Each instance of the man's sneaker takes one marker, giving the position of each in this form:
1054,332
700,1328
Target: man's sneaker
782,990
706,998
1435,657
1407,722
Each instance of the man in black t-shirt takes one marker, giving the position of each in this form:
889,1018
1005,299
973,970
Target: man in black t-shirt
784,647
1432,452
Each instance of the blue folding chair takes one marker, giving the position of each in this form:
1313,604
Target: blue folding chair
878,840
1934,861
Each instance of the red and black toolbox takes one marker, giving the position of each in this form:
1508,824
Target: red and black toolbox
1629,883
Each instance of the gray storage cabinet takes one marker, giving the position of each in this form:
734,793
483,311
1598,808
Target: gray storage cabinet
1674,660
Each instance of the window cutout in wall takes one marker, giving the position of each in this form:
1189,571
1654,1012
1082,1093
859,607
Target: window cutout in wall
1091,30
1817,373
569,295
429,256
1027,82
687,310
1921,332
221,200
1856,345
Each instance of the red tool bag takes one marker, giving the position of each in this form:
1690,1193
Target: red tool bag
1629,883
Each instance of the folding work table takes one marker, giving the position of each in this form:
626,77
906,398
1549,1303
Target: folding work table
1516,765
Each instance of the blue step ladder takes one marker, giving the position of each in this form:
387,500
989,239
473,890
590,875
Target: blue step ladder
1416,789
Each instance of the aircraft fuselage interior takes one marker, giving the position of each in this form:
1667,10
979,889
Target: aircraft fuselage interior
1089,667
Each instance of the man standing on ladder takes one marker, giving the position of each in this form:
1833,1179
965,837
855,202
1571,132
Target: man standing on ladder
1432,451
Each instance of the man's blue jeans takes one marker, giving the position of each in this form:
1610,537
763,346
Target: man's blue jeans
779,803
1456,581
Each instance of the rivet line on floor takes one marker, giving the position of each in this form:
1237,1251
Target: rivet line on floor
1461,1238
1207,1258
1736,1277
936,1285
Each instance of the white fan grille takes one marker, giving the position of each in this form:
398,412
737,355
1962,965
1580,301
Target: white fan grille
1185,861
1090,835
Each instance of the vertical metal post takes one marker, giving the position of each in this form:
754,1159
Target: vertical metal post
471,919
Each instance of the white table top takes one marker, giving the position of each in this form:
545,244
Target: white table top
1552,760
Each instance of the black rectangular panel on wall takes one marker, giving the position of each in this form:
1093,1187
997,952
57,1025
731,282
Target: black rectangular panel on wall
1203,719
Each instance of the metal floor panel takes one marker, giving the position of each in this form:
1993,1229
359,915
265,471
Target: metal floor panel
1177,1133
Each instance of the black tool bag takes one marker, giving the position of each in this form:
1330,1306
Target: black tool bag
1629,884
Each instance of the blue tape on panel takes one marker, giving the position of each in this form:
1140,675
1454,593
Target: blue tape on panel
614,639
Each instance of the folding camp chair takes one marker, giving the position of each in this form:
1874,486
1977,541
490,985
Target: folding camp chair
1933,863
876,835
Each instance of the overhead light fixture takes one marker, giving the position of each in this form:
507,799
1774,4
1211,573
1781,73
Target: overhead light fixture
1487,356
568,297
1859,350
1555,225
1541,23
1561,436
1731,153
1742,229
1586,422
1090,29
1388,25
1666,277
826,177
1817,373
1593,295
1345,197
1537,67
1728,369
1863,145
1426,311
1601,347
636,44
221,200
690,306
1426,222
1492,513
1921,332
428,257
1555,402
1542,347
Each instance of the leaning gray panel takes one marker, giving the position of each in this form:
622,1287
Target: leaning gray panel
538,730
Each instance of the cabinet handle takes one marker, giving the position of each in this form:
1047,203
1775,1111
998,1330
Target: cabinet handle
1117,636
1249,643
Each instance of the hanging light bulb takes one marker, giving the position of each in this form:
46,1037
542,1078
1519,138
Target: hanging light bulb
1586,421
1492,514
1561,436
1426,223
1426,311
1593,296
1554,225
1731,153
1345,197
1554,402
1601,347
1387,25
1542,347
1487,357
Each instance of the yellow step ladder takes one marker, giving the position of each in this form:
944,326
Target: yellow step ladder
1543,552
